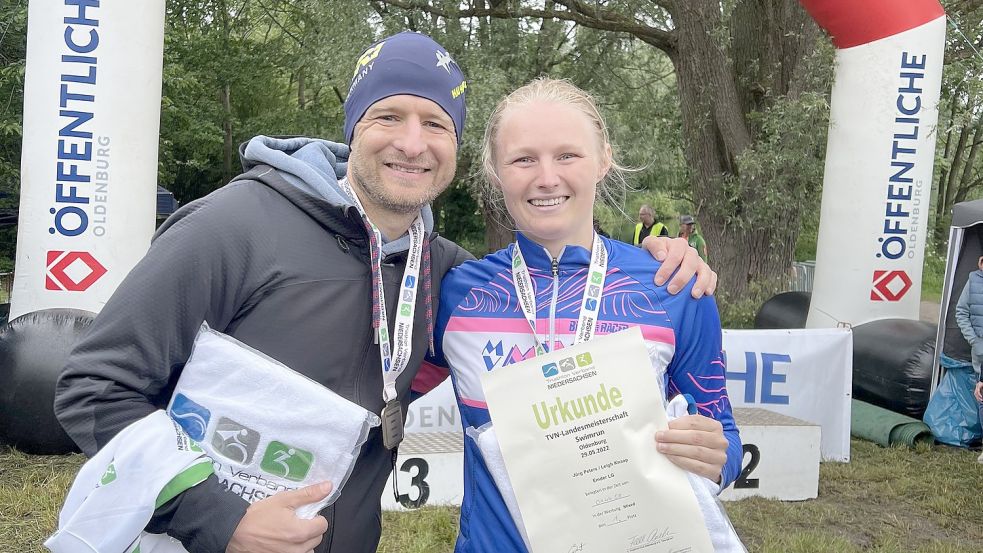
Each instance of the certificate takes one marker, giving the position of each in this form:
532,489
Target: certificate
577,432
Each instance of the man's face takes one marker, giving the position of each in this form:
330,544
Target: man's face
979,263
404,154
646,217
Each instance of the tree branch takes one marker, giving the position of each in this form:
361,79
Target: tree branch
576,12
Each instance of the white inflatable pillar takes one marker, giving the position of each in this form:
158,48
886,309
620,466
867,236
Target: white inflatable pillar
880,152
89,164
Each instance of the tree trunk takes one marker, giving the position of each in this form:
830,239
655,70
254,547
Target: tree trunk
716,133
941,230
966,175
498,230
301,89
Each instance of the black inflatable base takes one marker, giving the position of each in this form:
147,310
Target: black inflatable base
785,310
892,358
33,349
892,364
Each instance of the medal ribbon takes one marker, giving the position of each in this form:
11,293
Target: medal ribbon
590,306
393,353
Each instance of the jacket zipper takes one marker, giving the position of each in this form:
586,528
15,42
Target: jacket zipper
555,268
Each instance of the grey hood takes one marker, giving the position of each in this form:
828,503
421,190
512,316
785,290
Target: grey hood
314,166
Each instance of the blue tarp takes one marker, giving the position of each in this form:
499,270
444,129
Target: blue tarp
953,414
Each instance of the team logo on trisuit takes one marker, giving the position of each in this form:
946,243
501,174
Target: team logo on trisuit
286,461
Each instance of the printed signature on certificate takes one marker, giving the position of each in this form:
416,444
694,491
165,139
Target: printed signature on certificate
654,536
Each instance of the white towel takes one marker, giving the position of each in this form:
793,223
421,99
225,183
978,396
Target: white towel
115,493
487,442
722,533
267,427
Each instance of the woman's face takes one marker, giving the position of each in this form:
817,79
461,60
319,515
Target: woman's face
549,159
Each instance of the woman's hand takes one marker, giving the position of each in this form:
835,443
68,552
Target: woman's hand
695,443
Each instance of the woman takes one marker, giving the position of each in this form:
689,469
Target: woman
546,148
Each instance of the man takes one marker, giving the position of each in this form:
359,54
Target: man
687,230
292,258
647,226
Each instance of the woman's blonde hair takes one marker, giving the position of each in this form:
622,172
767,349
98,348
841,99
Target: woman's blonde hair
613,187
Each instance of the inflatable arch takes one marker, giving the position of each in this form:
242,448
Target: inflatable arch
879,157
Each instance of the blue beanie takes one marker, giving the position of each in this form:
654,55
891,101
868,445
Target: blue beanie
406,63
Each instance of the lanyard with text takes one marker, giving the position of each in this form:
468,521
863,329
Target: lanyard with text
589,307
394,357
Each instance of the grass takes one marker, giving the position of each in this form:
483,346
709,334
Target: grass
886,500
933,273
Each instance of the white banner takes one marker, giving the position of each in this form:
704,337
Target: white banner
878,178
805,374
89,164
435,412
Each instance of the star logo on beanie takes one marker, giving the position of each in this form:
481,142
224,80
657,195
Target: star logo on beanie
444,60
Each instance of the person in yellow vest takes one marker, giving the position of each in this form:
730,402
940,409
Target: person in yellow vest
647,226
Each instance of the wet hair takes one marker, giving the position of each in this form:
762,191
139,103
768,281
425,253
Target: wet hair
612,189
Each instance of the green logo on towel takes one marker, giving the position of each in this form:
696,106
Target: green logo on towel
287,462
109,475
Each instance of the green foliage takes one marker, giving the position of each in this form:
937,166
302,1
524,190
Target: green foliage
805,246
739,311
958,170
933,274
13,44
784,166
286,66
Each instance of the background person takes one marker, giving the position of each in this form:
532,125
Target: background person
647,225
546,148
687,230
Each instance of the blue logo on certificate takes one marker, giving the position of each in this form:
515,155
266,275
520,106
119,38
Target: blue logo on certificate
550,369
